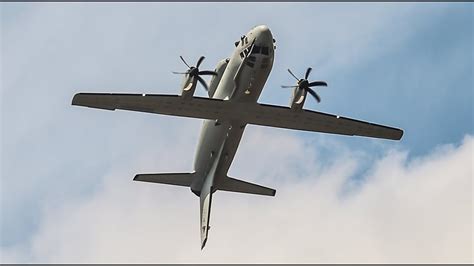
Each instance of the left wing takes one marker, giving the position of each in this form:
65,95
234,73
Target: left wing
252,113
284,117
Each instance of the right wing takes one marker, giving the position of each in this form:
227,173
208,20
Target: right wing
196,107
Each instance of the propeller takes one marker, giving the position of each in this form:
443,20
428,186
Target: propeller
193,71
304,84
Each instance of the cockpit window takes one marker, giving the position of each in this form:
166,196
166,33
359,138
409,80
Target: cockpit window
260,50
256,49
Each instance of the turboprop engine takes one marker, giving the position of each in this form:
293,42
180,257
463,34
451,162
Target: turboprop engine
192,76
302,88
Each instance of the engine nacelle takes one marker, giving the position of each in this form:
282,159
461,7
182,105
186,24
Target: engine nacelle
298,99
220,68
189,86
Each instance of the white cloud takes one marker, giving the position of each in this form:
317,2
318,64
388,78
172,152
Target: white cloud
58,49
417,210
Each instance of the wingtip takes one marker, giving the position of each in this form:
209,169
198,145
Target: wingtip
74,99
399,135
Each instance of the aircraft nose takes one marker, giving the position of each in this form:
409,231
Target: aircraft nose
262,28
263,32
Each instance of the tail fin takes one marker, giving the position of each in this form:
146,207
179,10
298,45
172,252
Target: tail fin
177,179
235,185
205,204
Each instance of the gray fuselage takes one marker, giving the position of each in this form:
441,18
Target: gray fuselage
243,81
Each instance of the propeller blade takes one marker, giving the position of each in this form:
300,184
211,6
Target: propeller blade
294,86
293,74
314,94
199,61
317,83
307,72
184,61
203,83
207,72
174,72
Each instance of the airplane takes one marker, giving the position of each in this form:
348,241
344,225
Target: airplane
233,92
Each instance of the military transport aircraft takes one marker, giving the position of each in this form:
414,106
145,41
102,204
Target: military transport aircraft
232,104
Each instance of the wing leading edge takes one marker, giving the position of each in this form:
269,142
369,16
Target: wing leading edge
252,113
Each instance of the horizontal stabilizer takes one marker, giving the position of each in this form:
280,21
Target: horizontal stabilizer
235,185
177,179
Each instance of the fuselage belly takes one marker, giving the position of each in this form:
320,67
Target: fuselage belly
242,80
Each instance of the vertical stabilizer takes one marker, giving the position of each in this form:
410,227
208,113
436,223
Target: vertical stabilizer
205,201
205,198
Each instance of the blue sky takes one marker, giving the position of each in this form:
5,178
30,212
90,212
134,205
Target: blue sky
408,65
